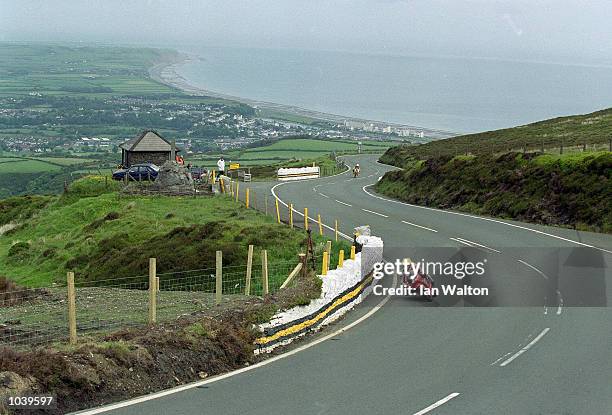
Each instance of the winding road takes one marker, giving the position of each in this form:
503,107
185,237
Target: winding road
540,343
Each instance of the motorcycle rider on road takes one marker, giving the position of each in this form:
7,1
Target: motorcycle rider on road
356,170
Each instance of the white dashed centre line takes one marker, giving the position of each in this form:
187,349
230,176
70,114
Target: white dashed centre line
524,349
342,203
477,244
375,213
533,268
461,242
436,404
419,226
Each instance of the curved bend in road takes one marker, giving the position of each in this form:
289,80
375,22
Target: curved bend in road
546,350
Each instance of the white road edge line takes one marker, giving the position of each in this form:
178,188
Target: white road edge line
480,245
560,302
436,404
342,203
324,195
375,213
488,220
533,268
419,226
524,349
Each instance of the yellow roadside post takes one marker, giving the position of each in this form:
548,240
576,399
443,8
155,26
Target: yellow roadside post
336,229
352,251
213,177
341,258
305,218
277,211
320,225
291,215
247,198
324,264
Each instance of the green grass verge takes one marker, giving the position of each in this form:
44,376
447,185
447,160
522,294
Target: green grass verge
572,190
100,235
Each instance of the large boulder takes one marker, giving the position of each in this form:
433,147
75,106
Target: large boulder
173,178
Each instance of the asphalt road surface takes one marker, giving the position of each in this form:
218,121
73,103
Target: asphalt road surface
540,343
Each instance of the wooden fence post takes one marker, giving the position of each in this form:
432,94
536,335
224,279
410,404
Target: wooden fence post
341,258
302,258
292,275
324,265
237,190
71,309
291,215
336,229
352,251
328,247
264,271
247,284
152,290
254,200
246,202
157,284
320,224
305,218
266,204
219,277
277,211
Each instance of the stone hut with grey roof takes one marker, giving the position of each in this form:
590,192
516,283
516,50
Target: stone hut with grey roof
147,147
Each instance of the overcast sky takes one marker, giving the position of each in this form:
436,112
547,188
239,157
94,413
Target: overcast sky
577,31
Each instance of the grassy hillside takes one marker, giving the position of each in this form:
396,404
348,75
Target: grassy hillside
100,234
573,190
594,130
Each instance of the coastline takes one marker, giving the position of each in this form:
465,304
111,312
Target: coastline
165,72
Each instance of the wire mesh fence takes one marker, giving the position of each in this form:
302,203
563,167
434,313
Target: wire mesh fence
40,315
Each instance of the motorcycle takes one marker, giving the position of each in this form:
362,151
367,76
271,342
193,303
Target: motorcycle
419,282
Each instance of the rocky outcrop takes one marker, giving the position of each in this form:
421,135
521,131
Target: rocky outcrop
173,178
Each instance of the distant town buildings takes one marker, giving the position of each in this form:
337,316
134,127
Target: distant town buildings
373,127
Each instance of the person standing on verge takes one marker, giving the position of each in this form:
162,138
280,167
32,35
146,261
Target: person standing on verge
221,166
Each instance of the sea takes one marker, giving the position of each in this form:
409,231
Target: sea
448,93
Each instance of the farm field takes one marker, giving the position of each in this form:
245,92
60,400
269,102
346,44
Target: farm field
83,71
26,166
290,149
